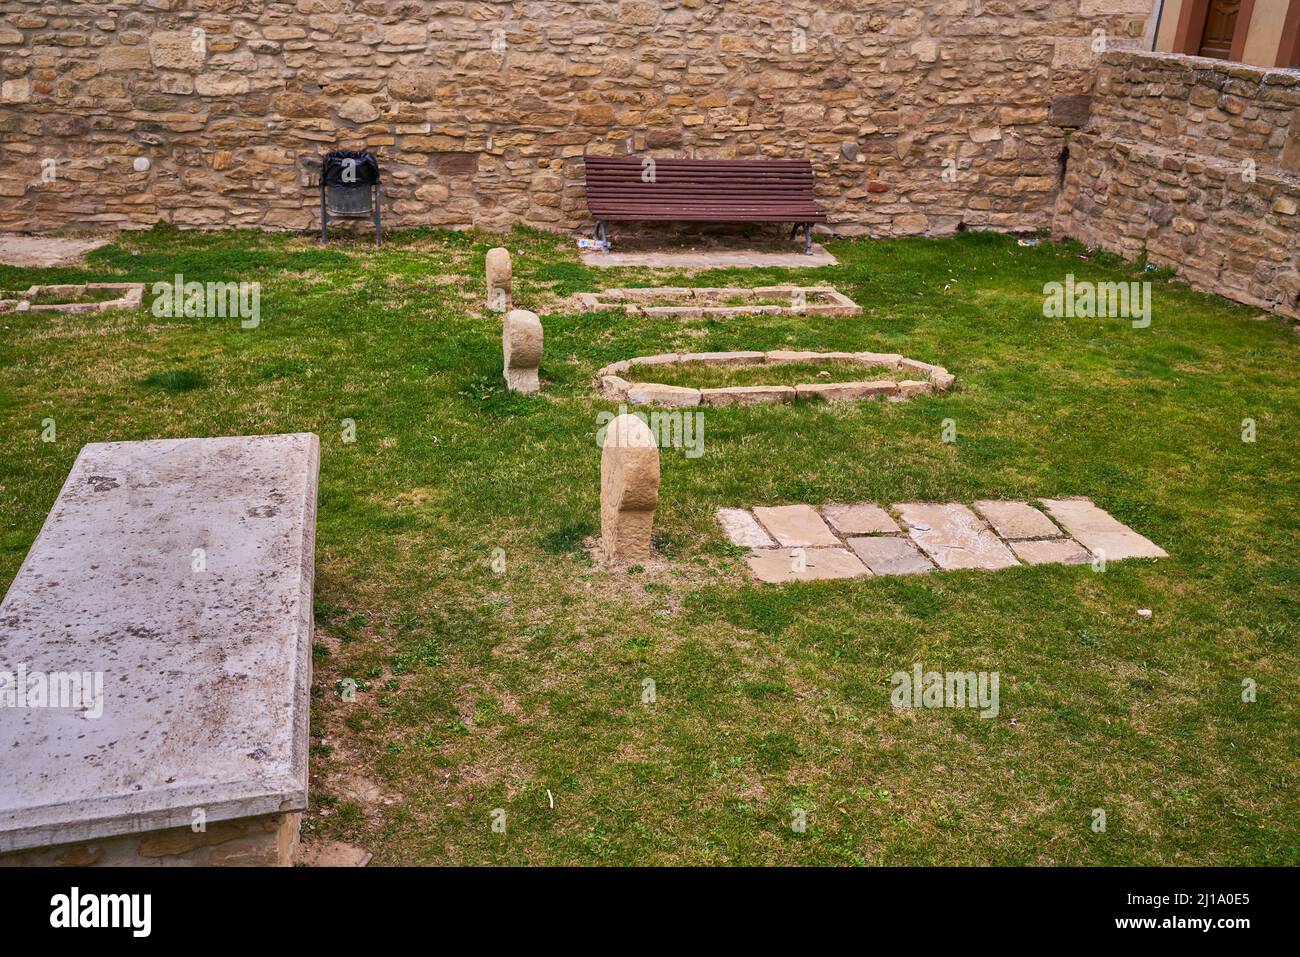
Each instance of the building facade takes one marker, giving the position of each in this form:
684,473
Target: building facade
1258,32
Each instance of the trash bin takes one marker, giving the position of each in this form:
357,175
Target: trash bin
349,189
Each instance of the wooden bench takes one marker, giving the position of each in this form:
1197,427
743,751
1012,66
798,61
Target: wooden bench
645,189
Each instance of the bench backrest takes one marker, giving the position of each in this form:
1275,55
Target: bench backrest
639,187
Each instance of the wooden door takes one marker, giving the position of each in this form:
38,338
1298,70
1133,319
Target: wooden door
1220,23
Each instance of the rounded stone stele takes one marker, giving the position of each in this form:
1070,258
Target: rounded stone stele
521,347
498,279
629,489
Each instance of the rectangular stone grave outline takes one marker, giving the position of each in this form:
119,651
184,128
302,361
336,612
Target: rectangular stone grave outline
133,296
695,301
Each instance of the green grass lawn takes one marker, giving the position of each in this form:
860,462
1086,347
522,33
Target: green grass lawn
522,689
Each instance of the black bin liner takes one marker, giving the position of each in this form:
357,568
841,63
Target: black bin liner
366,168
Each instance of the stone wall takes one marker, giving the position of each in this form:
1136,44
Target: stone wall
481,111
1195,162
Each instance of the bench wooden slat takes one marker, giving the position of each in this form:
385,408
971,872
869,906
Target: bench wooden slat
666,161
702,191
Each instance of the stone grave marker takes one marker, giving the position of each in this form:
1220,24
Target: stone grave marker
498,279
629,489
521,346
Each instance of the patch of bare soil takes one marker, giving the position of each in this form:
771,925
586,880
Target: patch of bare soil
43,251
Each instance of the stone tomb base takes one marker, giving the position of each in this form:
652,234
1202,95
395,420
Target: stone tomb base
161,625
270,840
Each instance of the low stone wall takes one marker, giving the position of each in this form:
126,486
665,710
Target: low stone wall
1195,162
917,117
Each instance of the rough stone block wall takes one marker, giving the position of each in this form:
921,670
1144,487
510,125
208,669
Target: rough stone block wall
1195,162
270,840
480,111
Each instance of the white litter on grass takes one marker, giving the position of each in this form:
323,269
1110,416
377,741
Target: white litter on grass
1144,612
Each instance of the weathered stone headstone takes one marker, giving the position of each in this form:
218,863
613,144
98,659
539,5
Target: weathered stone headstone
629,489
498,279
521,346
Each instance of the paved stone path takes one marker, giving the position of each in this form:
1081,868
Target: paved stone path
801,543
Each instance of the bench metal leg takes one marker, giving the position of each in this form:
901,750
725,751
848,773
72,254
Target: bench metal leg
602,233
794,231
807,239
324,215
378,199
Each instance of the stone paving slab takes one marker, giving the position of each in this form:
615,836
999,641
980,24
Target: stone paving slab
743,529
862,519
781,565
953,536
205,673
795,525
890,555
1099,532
1051,551
1016,520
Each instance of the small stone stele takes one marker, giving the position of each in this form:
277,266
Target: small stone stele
521,345
498,279
629,489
